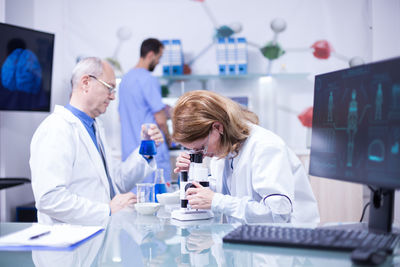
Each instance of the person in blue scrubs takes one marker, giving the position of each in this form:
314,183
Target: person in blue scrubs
140,102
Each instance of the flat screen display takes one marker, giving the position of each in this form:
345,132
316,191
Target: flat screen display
356,125
26,61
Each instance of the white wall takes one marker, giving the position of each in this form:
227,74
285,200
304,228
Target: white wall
386,23
89,28
2,10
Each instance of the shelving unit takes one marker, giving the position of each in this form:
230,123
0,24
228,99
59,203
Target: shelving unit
204,79
229,77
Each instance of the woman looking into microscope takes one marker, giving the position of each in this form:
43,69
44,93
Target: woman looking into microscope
255,177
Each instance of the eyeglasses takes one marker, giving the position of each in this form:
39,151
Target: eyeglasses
203,150
110,88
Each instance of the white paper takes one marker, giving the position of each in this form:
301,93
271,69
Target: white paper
61,235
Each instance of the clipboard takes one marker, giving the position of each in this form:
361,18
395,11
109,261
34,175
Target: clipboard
59,237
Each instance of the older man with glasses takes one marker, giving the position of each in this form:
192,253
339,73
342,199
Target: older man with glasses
74,178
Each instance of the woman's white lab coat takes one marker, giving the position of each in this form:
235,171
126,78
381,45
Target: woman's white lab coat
69,181
266,174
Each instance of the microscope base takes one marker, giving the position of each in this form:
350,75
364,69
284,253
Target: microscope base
191,215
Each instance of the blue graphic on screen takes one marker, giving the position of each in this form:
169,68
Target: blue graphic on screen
21,71
356,124
26,60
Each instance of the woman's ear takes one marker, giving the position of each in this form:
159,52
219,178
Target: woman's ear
219,127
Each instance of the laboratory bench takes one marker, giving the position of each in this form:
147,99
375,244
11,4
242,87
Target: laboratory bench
131,239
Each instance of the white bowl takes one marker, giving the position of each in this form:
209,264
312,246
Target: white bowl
169,198
147,208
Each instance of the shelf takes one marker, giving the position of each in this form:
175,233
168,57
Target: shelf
10,182
233,77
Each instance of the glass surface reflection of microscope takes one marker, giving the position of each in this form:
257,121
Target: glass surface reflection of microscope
198,173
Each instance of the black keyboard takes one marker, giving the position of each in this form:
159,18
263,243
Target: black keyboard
318,238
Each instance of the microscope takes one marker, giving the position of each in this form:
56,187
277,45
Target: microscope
199,174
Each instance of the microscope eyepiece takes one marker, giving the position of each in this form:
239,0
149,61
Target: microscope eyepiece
196,157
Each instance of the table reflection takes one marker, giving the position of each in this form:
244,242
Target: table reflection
84,255
137,240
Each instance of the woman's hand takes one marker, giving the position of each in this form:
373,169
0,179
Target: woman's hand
182,162
200,197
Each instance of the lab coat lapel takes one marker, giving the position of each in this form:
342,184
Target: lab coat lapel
106,154
94,155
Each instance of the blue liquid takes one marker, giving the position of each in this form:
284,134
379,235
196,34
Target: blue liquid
159,189
148,147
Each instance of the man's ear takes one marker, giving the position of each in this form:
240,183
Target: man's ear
85,82
150,55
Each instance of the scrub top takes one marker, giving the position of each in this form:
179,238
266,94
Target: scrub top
139,99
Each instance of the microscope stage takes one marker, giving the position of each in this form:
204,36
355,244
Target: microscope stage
191,215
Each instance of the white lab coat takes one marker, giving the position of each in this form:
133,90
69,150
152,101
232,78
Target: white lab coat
264,166
69,181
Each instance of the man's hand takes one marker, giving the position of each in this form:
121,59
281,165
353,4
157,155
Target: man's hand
200,197
121,201
182,162
199,240
161,120
154,132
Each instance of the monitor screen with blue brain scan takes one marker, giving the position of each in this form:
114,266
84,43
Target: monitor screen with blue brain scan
26,60
356,125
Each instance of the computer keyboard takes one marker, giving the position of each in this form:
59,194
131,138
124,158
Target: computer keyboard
318,238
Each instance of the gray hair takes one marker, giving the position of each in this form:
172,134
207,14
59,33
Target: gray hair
87,66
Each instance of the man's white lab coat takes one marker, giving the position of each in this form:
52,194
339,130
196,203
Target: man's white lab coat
69,181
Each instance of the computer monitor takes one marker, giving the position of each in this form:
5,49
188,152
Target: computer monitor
356,132
26,60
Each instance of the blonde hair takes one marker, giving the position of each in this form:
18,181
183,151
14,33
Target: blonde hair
196,111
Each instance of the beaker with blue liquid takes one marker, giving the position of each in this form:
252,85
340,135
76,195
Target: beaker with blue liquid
159,183
147,146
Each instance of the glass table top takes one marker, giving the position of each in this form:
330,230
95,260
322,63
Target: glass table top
136,240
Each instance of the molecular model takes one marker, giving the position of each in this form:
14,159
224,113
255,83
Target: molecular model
224,31
321,49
